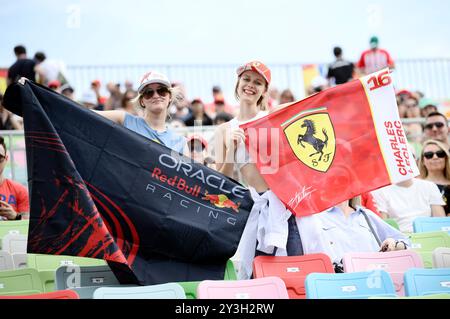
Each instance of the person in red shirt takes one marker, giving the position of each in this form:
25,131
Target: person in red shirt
374,59
13,196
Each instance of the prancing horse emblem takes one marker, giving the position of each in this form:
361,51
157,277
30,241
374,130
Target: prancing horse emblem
312,139
309,137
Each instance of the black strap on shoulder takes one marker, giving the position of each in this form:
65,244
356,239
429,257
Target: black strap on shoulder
371,227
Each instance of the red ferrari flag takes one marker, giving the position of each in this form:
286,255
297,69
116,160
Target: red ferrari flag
332,146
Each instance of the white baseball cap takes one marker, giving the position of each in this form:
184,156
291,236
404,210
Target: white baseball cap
153,77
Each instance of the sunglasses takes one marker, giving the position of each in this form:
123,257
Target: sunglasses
149,93
439,154
437,124
2,158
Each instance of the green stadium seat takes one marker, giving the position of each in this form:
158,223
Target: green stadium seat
52,262
425,243
20,282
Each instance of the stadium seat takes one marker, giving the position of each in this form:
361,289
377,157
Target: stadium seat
392,222
434,296
441,257
61,294
6,261
425,243
190,288
20,260
292,270
13,227
430,224
48,280
20,282
260,288
15,243
393,262
52,262
357,285
230,272
90,278
421,282
164,291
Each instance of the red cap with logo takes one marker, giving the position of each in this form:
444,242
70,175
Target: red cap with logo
258,67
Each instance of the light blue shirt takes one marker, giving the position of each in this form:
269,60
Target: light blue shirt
330,232
167,137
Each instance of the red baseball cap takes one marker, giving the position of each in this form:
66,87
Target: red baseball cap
54,84
258,67
198,138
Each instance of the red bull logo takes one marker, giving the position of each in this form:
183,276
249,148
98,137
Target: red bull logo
222,201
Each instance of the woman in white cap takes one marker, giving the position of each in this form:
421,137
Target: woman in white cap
154,97
271,229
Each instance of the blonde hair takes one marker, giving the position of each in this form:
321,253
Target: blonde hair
422,168
262,101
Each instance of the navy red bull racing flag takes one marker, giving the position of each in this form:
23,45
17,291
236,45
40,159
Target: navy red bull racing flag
100,190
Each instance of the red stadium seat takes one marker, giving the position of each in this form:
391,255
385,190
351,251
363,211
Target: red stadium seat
60,294
292,270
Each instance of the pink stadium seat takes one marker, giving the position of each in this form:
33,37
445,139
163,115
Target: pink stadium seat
261,288
396,263
292,270
60,294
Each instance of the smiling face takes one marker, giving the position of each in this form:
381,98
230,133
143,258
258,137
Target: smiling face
437,162
251,87
155,98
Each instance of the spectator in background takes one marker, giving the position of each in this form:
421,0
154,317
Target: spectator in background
340,71
127,102
68,91
96,87
7,119
179,110
89,100
54,85
286,97
14,203
436,128
412,107
374,59
198,148
47,70
434,166
23,67
198,117
219,104
222,118
407,200
427,106
114,101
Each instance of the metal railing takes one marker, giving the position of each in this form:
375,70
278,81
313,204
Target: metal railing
431,76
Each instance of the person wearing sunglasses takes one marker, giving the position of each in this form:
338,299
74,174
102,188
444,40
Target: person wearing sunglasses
434,166
14,202
155,95
407,200
436,128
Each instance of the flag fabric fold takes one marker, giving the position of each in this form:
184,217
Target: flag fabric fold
100,190
332,146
